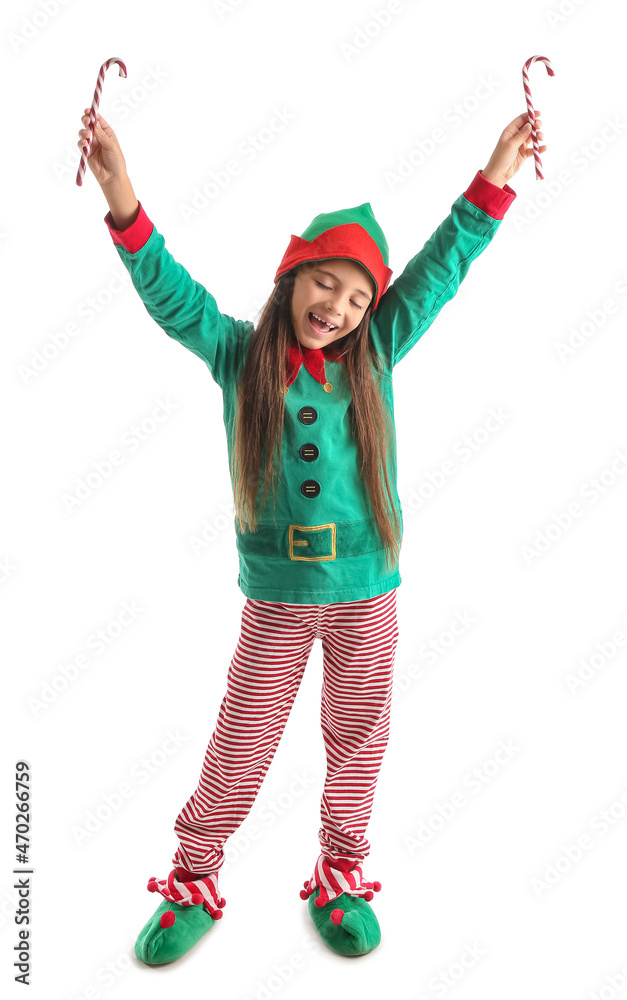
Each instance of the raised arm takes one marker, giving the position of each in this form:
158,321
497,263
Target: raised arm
432,277
181,306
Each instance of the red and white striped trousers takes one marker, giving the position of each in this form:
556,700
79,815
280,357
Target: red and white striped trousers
359,641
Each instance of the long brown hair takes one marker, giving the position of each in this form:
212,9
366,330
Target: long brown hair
258,427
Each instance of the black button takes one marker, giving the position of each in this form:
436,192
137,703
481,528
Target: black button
307,414
310,488
308,452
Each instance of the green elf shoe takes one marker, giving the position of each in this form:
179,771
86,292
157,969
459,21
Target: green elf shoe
348,924
339,908
187,912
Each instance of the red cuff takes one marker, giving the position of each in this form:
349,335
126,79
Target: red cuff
489,197
183,875
134,236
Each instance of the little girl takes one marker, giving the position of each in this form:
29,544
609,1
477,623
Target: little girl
308,409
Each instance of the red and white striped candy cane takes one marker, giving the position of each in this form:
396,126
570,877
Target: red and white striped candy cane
530,111
93,111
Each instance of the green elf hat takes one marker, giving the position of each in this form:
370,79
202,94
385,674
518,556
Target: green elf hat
351,233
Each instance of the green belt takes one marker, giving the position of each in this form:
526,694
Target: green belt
312,542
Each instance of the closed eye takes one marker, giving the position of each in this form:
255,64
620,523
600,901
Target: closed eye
329,289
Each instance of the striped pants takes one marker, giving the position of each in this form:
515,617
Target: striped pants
359,641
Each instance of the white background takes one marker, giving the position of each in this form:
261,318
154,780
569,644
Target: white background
363,95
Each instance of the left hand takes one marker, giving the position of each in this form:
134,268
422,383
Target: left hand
512,149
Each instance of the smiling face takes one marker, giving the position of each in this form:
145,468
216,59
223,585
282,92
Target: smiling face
335,290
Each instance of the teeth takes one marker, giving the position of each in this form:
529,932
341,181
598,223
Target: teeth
330,325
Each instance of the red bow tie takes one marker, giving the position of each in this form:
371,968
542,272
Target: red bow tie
312,357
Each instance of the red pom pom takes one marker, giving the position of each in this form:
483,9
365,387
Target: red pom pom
376,886
369,895
318,902
152,885
304,894
216,914
197,898
222,902
336,916
167,918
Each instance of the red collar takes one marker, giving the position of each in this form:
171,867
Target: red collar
312,357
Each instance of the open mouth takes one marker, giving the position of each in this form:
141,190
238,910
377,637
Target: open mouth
319,327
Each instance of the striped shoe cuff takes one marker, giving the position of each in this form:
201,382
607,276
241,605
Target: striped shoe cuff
193,893
333,881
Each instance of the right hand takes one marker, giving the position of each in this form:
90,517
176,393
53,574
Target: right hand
105,159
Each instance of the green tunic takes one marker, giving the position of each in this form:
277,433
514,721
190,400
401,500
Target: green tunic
320,545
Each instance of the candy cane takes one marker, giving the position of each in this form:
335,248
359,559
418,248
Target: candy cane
93,113
530,111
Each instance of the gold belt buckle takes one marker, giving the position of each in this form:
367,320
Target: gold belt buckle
305,542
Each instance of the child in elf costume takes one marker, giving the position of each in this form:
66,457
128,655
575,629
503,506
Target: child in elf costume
308,408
